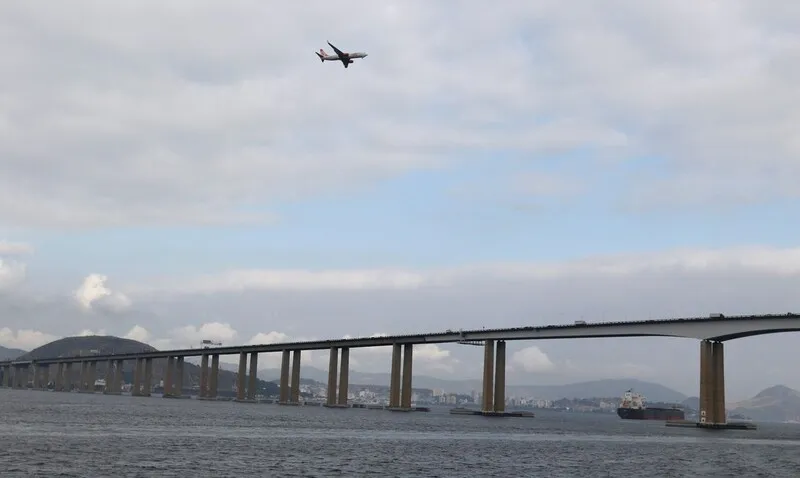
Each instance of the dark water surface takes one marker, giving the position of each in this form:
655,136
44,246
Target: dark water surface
51,434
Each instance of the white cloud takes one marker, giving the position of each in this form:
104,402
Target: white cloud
11,273
166,128
138,333
89,332
532,359
192,336
94,291
24,339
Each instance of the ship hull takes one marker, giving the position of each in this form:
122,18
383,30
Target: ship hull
663,414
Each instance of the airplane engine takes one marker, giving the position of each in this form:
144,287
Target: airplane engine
350,60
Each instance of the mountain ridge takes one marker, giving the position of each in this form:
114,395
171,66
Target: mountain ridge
778,403
10,354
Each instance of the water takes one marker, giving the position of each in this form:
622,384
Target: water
78,435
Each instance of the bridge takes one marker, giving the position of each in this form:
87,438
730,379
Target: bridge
712,331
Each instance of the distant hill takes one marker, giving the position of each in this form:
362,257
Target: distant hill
596,388
692,403
106,344
774,404
9,354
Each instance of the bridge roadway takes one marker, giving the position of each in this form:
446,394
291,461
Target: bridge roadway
702,328
712,331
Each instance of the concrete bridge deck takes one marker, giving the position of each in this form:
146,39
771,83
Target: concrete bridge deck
702,328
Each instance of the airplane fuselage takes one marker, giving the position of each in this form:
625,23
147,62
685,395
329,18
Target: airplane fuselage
347,55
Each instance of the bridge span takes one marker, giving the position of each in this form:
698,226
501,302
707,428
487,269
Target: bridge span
712,331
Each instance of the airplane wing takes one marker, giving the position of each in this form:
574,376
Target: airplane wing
338,51
342,56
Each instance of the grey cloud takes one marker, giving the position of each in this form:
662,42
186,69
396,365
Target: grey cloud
148,125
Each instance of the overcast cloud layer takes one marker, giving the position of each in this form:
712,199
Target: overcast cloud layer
174,171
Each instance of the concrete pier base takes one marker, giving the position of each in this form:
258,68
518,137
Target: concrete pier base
713,426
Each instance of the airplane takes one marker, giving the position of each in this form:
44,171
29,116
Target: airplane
345,58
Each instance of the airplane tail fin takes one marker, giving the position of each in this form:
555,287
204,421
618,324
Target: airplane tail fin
321,54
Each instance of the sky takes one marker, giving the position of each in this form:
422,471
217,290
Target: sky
174,171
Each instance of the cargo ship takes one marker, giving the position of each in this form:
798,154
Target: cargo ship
634,408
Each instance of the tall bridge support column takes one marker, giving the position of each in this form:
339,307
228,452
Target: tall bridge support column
203,393
119,370
84,374
500,377
147,386
168,378
69,381
487,401
400,396
494,378
108,390
712,383
333,365
284,392
240,378
338,373
408,361
177,383
394,381
294,396
92,375
214,379
344,376
138,372
252,383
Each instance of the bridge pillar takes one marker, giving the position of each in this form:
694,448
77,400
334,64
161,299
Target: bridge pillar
119,370
400,396
284,382
295,393
214,379
408,360
712,383
500,377
344,376
177,383
240,378
36,381
203,393
394,381
494,378
24,375
147,387
252,383
109,377
92,375
69,380
487,402
333,364
338,373
168,380
138,372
